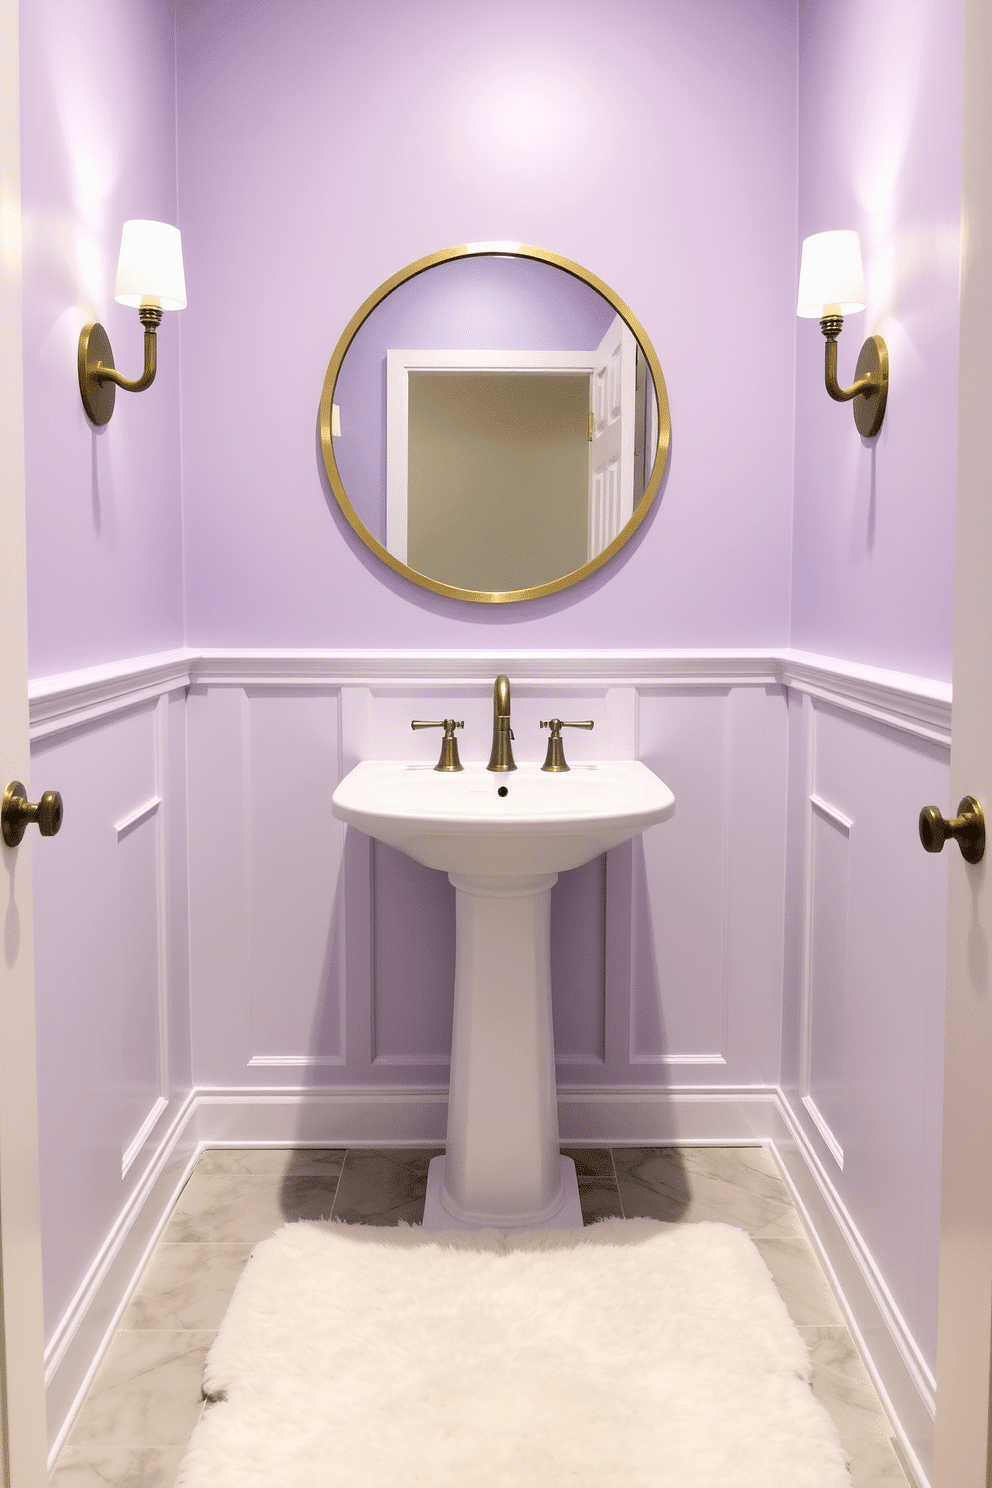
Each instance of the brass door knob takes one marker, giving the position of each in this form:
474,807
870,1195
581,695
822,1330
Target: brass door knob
967,829
17,812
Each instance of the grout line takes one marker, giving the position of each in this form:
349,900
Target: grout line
616,1182
337,1184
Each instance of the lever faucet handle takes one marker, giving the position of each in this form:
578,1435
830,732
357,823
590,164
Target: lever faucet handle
449,761
555,758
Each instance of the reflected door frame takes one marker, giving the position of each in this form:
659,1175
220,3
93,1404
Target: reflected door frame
399,364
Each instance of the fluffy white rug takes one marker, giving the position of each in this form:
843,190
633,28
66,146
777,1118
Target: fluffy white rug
631,1353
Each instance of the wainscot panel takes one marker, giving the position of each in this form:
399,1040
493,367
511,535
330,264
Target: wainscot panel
863,1016
319,959
112,993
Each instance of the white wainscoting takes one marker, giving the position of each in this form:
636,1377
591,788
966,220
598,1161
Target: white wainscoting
862,1053
667,957
700,992
112,993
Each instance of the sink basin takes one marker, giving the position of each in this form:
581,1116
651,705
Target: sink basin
542,823
502,838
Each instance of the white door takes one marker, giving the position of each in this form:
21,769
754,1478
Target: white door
961,1456
22,1393
611,447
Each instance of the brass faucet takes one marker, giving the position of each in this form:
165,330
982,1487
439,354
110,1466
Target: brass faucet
501,757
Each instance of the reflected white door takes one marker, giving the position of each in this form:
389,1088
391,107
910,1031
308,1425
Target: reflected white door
611,449
22,1394
961,1456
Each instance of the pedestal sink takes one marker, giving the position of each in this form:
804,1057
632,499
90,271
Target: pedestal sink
502,838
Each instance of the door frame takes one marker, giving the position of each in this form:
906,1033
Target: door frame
23,1443
962,1427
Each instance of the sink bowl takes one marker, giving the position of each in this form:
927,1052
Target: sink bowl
520,823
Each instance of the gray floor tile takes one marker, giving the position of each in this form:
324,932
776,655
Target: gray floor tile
592,1162
598,1194
147,1396
231,1207
186,1286
599,1200
800,1281
272,1162
733,1185
148,1392
383,1186
842,1385
876,1465
117,1467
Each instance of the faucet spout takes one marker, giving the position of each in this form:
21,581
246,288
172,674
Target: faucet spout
501,757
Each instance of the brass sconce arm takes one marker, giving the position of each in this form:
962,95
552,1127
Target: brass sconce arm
831,326
98,377
871,377
151,318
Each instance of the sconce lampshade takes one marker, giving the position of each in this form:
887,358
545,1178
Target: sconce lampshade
150,268
831,277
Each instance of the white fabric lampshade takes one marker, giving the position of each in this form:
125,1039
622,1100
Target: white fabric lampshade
831,278
150,268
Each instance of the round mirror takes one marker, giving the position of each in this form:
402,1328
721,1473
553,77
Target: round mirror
494,422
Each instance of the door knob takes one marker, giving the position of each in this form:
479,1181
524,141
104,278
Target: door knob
17,812
968,829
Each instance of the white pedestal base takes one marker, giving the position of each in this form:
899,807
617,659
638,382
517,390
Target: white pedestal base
439,1215
502,1167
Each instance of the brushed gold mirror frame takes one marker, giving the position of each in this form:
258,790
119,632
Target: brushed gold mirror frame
494,250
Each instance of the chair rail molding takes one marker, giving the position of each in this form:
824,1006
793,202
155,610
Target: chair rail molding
917,705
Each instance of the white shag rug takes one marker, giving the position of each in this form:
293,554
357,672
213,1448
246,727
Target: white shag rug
630,1353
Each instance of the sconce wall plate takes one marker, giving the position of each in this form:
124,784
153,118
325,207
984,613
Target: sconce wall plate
98,397
869,407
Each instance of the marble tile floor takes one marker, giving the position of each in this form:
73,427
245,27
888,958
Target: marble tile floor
146,1397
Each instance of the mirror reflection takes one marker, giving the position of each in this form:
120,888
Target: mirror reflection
494,424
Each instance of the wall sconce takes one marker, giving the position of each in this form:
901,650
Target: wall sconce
150,277
832,285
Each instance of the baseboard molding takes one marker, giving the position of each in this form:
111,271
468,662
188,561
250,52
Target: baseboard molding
79,1342
898,1370
416,1116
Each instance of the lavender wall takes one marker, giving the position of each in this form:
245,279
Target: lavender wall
880,151
103,508
323,146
